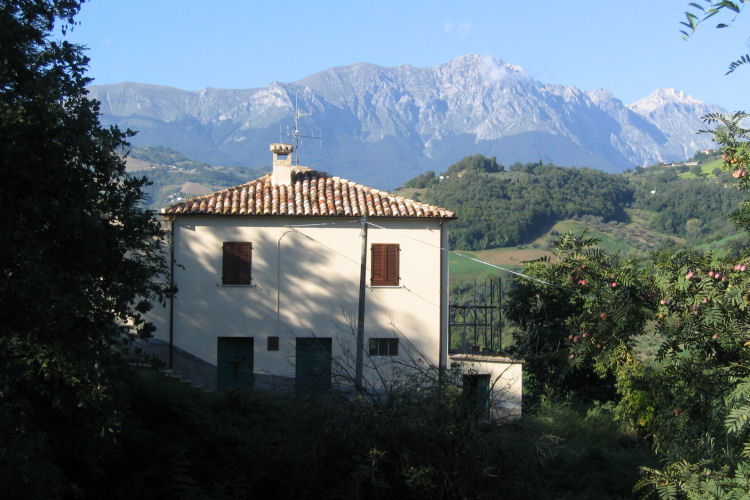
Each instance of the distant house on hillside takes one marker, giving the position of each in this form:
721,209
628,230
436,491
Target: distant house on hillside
268,275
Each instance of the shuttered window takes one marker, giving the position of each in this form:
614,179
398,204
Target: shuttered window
384,269
237,263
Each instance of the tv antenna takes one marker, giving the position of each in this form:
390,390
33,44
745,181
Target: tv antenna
296,134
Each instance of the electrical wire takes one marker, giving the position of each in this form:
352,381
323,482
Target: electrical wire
522,275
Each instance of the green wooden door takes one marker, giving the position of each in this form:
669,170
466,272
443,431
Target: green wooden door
476,390
313,365
234,363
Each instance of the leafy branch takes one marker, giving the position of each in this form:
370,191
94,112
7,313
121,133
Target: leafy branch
698,14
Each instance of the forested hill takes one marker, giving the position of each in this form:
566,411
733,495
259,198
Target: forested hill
501,207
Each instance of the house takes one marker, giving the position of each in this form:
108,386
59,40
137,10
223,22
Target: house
268,279
305,281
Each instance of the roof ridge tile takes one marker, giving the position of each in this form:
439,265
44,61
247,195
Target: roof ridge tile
311,193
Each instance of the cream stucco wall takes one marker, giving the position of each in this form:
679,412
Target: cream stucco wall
506,377
305,282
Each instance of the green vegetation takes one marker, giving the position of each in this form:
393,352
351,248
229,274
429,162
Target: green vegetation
168,172
691,402
497,208
631,213
637,371
694,209
81,260
421,440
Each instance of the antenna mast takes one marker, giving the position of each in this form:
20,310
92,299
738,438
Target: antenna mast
296,133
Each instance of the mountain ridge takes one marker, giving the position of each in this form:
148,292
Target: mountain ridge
383,125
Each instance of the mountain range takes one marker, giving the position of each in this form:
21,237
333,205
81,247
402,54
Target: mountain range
384,125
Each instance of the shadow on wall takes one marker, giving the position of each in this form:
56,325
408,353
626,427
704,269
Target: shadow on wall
305,283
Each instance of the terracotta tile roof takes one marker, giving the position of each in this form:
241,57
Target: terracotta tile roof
311,193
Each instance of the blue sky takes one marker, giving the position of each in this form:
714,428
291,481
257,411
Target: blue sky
629,47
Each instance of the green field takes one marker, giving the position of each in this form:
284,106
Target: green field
627,239
707,169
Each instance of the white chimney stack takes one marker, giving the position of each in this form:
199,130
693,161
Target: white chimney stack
282,163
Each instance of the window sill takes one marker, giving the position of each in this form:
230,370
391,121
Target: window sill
386,286
251,285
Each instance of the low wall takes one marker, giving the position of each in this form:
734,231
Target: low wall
506,381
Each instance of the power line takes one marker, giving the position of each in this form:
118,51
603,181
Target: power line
522,275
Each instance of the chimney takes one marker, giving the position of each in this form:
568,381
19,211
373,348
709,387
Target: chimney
282,163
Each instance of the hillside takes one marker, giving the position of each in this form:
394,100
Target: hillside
523,206
511,213
174,177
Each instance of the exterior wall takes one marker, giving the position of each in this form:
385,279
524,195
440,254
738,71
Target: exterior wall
506,377
305,282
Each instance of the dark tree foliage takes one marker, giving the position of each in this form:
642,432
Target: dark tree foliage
476,164
78,261
422,180
675,201
497,208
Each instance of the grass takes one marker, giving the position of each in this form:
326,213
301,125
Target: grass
709,167
627,239
707,170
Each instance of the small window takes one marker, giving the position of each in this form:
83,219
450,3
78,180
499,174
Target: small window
237,263
384,269
273,343
384,347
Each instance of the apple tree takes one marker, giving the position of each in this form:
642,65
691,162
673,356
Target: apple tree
577,317
704,387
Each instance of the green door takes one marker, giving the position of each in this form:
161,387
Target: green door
234,363
476,392
313,365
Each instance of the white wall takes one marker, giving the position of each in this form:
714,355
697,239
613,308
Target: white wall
506,377
317,272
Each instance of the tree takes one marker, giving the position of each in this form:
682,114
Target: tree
80,259
578,318
699,399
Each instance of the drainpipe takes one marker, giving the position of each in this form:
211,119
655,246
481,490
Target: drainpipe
443,331
171,294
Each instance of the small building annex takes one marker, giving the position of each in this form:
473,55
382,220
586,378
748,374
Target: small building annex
268,279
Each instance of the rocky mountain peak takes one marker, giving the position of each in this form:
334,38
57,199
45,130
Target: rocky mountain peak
662,97
404,120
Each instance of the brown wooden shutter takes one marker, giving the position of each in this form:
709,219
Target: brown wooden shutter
384,270
377,273
391,270
237,263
